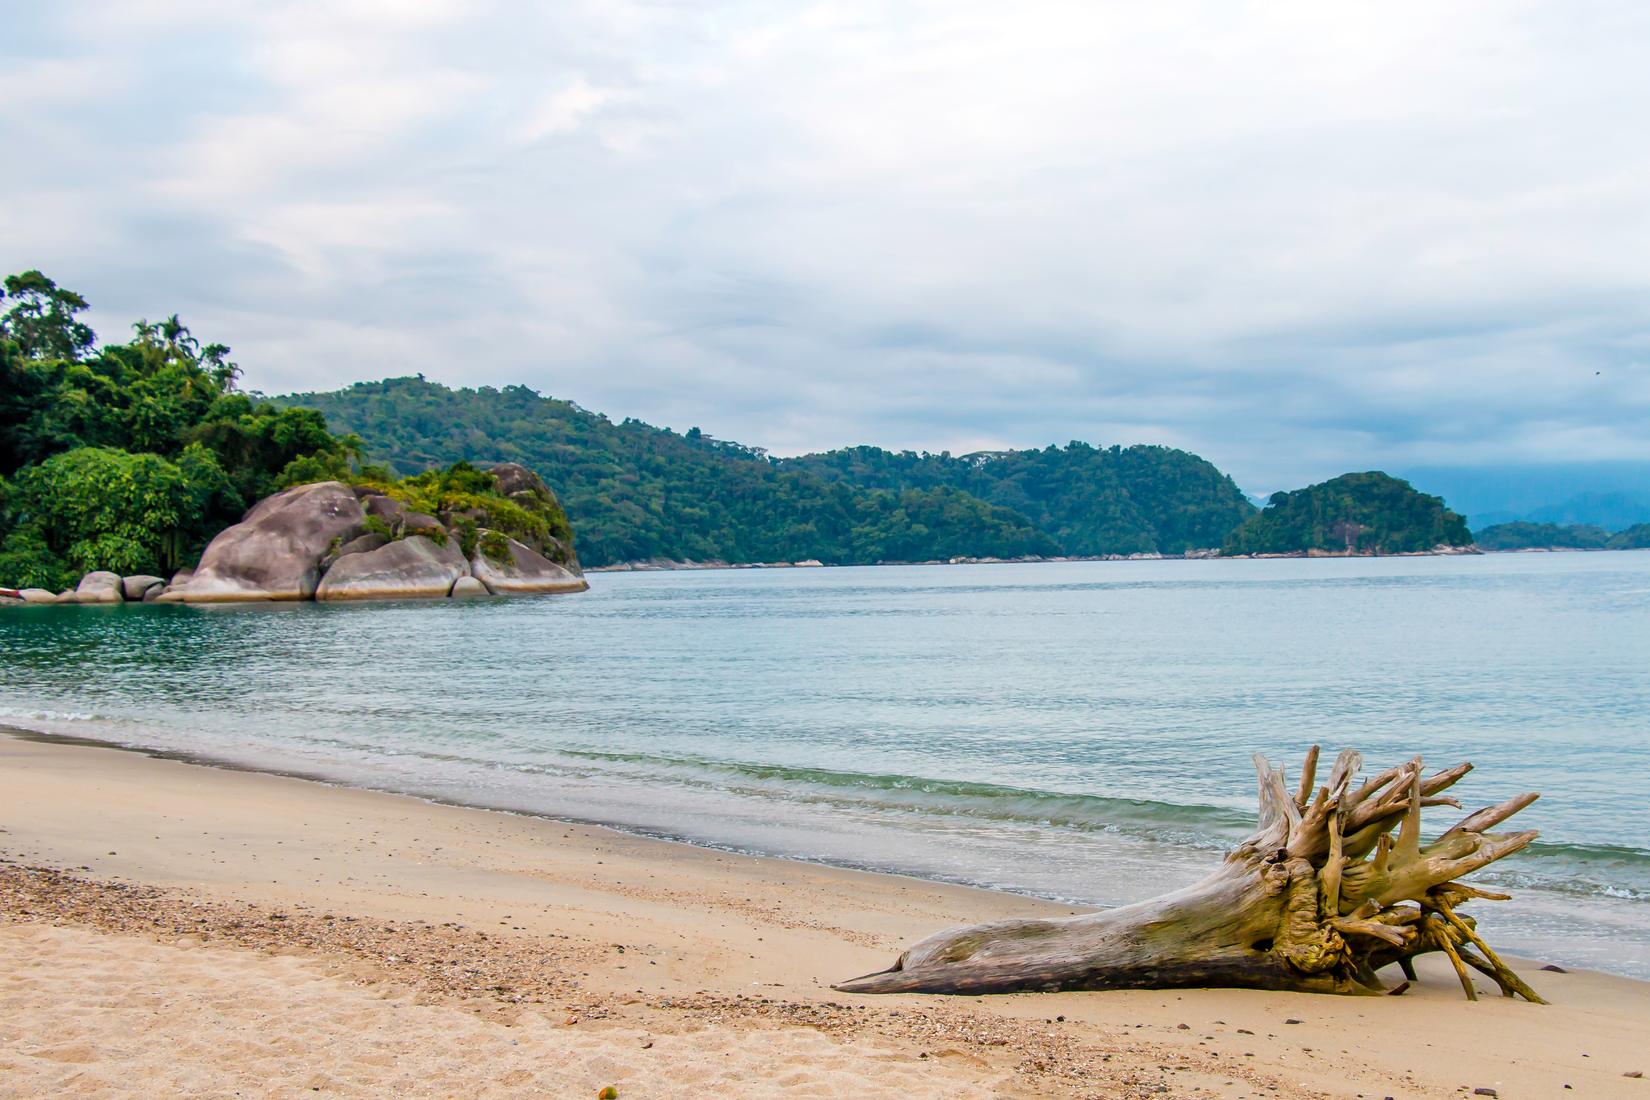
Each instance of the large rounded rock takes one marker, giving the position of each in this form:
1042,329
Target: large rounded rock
523,570
37,595
513,478
275,552
99,586
136,588
415,567
361,544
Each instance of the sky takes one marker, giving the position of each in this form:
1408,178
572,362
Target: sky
1297,238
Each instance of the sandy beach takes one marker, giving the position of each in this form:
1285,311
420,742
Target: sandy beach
168,928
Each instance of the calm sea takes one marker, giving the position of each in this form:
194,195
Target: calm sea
1076,731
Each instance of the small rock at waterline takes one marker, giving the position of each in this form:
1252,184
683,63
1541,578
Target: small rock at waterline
1555,969
1485,1092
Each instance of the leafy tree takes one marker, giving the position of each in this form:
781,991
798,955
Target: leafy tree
42,318
100,508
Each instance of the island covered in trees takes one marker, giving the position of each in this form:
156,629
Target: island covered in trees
1364,513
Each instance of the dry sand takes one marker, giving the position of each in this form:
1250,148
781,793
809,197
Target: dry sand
173,929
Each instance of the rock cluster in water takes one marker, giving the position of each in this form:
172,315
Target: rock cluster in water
328,541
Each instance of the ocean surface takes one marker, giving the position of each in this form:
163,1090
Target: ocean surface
1077,731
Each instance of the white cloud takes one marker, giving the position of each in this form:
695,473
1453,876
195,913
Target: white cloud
1296,237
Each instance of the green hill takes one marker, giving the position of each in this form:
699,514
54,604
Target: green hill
636,492
1636,537
1091,500
1521,535
1367,513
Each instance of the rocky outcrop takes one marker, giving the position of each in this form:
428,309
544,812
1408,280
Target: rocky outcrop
99,587
415,567
275,552
137,588
361,544
521,569
329,541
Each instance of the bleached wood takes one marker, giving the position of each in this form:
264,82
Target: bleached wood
1333,885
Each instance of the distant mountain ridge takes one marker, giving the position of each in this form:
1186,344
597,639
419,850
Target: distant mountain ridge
635,492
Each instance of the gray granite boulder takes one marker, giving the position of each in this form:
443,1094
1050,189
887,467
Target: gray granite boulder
513,478
524,570
99,586
385,508
275,552
414,567
38,595
361,544
467,587
135,588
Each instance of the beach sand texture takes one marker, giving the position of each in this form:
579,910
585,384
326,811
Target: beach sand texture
173,929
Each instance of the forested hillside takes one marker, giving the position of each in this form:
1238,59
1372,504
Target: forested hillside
1090,500
636,492
1367,513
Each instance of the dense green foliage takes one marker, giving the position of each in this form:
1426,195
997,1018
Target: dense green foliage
1521,535
1370,513
1089,500
130,456
468,501
637,492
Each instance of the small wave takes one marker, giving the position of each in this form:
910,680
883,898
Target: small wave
10,714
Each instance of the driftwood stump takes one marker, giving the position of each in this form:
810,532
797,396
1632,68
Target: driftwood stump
1333,886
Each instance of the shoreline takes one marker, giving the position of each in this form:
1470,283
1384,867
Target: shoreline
593,942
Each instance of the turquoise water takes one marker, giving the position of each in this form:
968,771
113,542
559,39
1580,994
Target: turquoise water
1079,731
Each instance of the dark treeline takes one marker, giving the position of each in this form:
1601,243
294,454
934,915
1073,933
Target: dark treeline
1521,535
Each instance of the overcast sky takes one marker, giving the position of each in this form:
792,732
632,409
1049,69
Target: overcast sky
1297,238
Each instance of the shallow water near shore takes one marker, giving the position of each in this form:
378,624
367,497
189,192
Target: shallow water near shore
1079,731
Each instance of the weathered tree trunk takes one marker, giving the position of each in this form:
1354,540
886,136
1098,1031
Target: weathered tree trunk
1331,887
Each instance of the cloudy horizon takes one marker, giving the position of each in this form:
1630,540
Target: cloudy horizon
1296,239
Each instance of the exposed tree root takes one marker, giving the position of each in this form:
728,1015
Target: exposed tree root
1334,885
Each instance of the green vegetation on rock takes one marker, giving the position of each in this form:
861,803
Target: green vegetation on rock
129,457
1365,513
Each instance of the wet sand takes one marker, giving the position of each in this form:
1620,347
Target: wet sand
168,928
